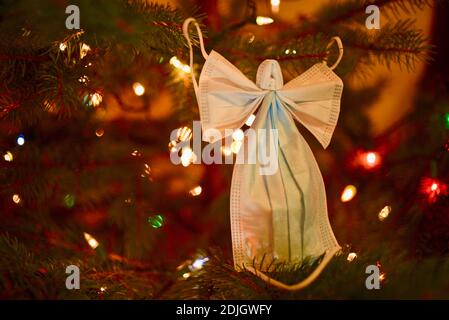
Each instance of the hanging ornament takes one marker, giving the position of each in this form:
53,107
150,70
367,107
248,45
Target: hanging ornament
278,211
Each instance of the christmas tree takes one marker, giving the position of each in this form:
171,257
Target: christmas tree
86,118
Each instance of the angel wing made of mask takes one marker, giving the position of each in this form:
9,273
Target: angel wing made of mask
281,215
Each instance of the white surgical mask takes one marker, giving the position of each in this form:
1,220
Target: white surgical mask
277,214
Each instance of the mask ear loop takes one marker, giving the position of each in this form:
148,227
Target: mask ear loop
185,30
300,285
340,49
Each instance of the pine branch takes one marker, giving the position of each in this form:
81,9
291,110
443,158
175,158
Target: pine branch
340,280
32,61
353,11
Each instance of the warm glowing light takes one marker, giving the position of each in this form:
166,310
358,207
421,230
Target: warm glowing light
93,243
433,189
250,120
147,172
136,153
196,191
62,46
383,214
238,135
348,193
198,263
84,50
16,199
83,79
172,146
184,134
369,159
351,256
260,20
99,132
382,276
174,61
187,156
20,140
186,275
138,88
235,146
96,99
8,156
226,150
103,289
275,5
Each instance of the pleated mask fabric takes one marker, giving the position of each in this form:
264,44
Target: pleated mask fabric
278,209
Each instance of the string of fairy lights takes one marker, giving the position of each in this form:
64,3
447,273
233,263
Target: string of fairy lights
432,188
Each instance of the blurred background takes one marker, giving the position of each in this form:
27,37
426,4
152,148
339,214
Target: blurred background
85,123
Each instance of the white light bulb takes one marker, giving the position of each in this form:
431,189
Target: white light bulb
8,156
351,256
138,88
250,120
196,191
260,20
93,243
16,199
21,140
383,214
238,135
96,99
348,193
